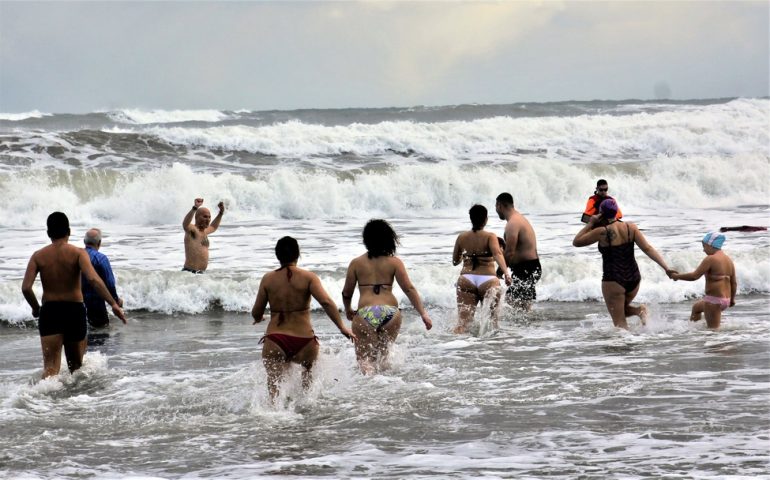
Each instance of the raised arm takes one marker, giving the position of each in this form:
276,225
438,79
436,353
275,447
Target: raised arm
258,310
215,223
189,217
26,286
411,293
648,249
347,291
497,253
318,292
93,278
588,235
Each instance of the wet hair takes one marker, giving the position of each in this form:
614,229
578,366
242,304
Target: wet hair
93,239
505,199
287,250
601,182
478,214
58,225
380,238
609,209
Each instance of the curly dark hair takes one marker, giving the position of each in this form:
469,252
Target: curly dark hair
380,238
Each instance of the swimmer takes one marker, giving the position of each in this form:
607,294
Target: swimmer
377,321
62,317
289,337
721,283
196,236
478,250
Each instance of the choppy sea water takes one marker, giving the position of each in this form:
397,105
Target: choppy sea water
179,392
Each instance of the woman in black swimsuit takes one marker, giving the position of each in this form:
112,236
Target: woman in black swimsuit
621,277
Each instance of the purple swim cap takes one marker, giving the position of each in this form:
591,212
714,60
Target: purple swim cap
609,209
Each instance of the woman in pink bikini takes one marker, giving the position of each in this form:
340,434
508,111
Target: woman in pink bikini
721,283
289,336
478,251
377,321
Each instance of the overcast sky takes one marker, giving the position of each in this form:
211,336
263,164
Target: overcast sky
77,57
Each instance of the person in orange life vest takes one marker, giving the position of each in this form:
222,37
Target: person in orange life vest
600,195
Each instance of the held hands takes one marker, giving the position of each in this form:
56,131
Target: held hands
508,278
672,274
350,314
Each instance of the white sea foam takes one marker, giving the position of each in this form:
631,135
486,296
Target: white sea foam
141,117
15,117
728,129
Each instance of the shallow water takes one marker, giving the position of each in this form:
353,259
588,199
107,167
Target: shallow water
560,393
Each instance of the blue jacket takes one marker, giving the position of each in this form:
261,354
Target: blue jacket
102,266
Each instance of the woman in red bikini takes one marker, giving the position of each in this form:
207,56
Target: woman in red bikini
289,336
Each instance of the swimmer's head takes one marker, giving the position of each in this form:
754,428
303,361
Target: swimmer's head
58,225
479,216
287,250
202,217
379,238
601,187
714,240
609,209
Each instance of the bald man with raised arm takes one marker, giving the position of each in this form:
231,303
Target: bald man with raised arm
196,236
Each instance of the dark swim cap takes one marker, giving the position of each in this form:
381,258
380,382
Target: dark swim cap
609,209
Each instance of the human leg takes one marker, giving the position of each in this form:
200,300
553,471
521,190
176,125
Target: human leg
51,345
490,291
387,335
697,310
306,358
615,299
365,345
713,313
467,298
274,360
631,311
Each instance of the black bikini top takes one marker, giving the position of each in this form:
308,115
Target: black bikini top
376,286
474,257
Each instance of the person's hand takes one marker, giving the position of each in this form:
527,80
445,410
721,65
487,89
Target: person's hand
221,206
508,278
427,321
350,314
120,302
198,202
257,320
119,313
732,302
594,220
672,273
36,312
348,334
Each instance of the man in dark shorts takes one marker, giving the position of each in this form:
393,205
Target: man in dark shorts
520,254
95,309
62,318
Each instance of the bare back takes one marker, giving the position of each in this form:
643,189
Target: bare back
288,292
476,250
520,240
375,275
59,265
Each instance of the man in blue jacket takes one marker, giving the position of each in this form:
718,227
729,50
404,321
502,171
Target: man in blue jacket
96,311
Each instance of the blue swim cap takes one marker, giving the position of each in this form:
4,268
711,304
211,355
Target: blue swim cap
714,239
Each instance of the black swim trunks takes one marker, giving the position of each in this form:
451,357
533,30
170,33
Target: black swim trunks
525,275
96,312
185,269
63,318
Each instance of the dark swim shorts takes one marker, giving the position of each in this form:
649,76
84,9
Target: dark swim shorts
63,318
525,275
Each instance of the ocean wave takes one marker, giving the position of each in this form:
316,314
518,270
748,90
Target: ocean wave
15,117
143,117
411,190
736,127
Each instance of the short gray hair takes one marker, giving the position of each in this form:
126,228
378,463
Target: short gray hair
93,237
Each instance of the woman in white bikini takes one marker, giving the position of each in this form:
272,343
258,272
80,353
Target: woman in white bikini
478,251
377,321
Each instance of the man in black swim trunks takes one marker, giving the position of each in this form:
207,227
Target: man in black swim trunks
520,254
62,318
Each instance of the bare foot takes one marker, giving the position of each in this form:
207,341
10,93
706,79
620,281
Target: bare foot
643,313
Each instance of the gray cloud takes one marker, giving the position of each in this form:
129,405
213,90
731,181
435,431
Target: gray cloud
83,56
